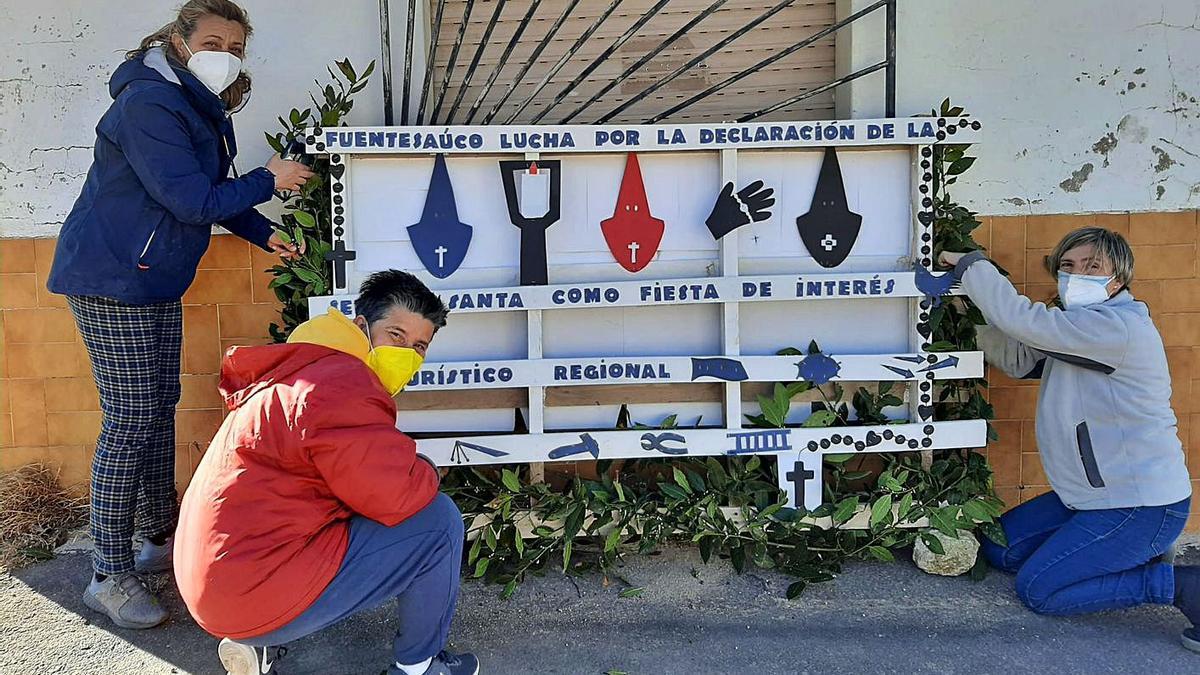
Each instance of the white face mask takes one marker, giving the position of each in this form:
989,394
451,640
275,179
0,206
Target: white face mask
1081,290
217,70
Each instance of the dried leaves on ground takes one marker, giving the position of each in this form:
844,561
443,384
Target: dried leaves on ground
36,514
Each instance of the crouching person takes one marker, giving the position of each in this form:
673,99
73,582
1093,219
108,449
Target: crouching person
1105,431
310,505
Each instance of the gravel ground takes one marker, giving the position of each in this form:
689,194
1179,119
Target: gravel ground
690,618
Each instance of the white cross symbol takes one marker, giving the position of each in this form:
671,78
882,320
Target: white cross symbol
441,251
828,243
633,249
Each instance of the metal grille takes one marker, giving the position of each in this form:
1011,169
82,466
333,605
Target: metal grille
613,61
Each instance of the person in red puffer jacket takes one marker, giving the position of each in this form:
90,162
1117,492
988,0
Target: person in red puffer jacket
310,505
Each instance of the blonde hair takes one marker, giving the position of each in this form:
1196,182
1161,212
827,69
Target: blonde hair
184,26
1109,245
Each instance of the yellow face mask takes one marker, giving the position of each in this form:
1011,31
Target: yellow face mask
395,366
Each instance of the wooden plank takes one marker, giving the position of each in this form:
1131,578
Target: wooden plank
633,369
639,443
805,69
610,394
616,394
479,399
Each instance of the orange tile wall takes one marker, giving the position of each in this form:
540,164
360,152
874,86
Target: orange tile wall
49,411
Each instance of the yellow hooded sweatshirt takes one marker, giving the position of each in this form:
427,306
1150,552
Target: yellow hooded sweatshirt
335,331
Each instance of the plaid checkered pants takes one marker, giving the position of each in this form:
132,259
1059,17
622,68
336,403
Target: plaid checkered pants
135,352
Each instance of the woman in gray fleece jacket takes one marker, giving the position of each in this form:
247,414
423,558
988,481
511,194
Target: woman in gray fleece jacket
1105,431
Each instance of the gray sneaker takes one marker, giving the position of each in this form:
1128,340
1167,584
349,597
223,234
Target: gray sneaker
126,600
242,659
446,663
153,559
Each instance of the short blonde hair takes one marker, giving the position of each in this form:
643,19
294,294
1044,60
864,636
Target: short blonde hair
1109,245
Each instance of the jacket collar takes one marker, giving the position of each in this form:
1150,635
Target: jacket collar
206,102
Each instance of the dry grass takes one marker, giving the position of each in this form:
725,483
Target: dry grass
36,514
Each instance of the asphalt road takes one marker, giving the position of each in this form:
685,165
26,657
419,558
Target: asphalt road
690,618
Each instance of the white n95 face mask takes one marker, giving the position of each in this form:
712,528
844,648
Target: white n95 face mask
1081,290
217,70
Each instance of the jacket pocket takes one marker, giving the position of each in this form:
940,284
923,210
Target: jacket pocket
143,261
1083,440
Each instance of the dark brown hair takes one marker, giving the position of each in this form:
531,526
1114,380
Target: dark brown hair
184,26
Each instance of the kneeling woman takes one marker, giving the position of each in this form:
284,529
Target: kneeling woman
1105,431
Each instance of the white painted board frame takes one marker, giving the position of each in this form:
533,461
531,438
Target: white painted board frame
801,482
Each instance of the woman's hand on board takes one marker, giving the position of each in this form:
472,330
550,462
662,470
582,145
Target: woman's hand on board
950,258
285,250
289,175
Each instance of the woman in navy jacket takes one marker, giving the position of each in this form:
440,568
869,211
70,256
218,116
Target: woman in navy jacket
127,253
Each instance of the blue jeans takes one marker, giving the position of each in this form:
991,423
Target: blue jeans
1074,562
416,562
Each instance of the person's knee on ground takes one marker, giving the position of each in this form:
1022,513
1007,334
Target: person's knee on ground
1034,591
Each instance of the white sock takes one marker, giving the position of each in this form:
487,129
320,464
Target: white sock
416,668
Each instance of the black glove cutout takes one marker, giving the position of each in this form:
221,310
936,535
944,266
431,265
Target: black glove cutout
728,213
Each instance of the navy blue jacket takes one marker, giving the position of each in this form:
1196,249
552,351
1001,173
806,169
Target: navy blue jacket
157,184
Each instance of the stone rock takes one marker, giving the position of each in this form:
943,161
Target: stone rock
958,559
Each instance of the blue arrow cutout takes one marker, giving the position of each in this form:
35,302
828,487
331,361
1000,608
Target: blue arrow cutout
911,359
944,363
439,238
900,371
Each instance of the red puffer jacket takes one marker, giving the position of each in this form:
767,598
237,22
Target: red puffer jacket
264,525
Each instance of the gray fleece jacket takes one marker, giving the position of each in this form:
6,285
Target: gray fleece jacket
1105,429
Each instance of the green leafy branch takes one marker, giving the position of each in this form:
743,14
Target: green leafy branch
307,212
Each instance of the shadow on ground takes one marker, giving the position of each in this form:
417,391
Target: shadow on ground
690,618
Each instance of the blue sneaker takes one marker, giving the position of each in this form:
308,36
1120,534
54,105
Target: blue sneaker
1191,639
1187,599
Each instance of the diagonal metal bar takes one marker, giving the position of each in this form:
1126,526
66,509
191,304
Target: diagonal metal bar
813,92
889,86
646,59
433,43
462,30
767,61
487,34
591,67
587,34
562,18
692,63
516,37
385,43
408,61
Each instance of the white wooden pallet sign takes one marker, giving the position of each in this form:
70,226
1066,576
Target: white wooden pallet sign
684,253
799,451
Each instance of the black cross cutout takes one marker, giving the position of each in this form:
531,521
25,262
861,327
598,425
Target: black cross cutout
339,256
798,475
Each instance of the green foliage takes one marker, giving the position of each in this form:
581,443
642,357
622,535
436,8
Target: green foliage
518,528
307,213
636,506
953,323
